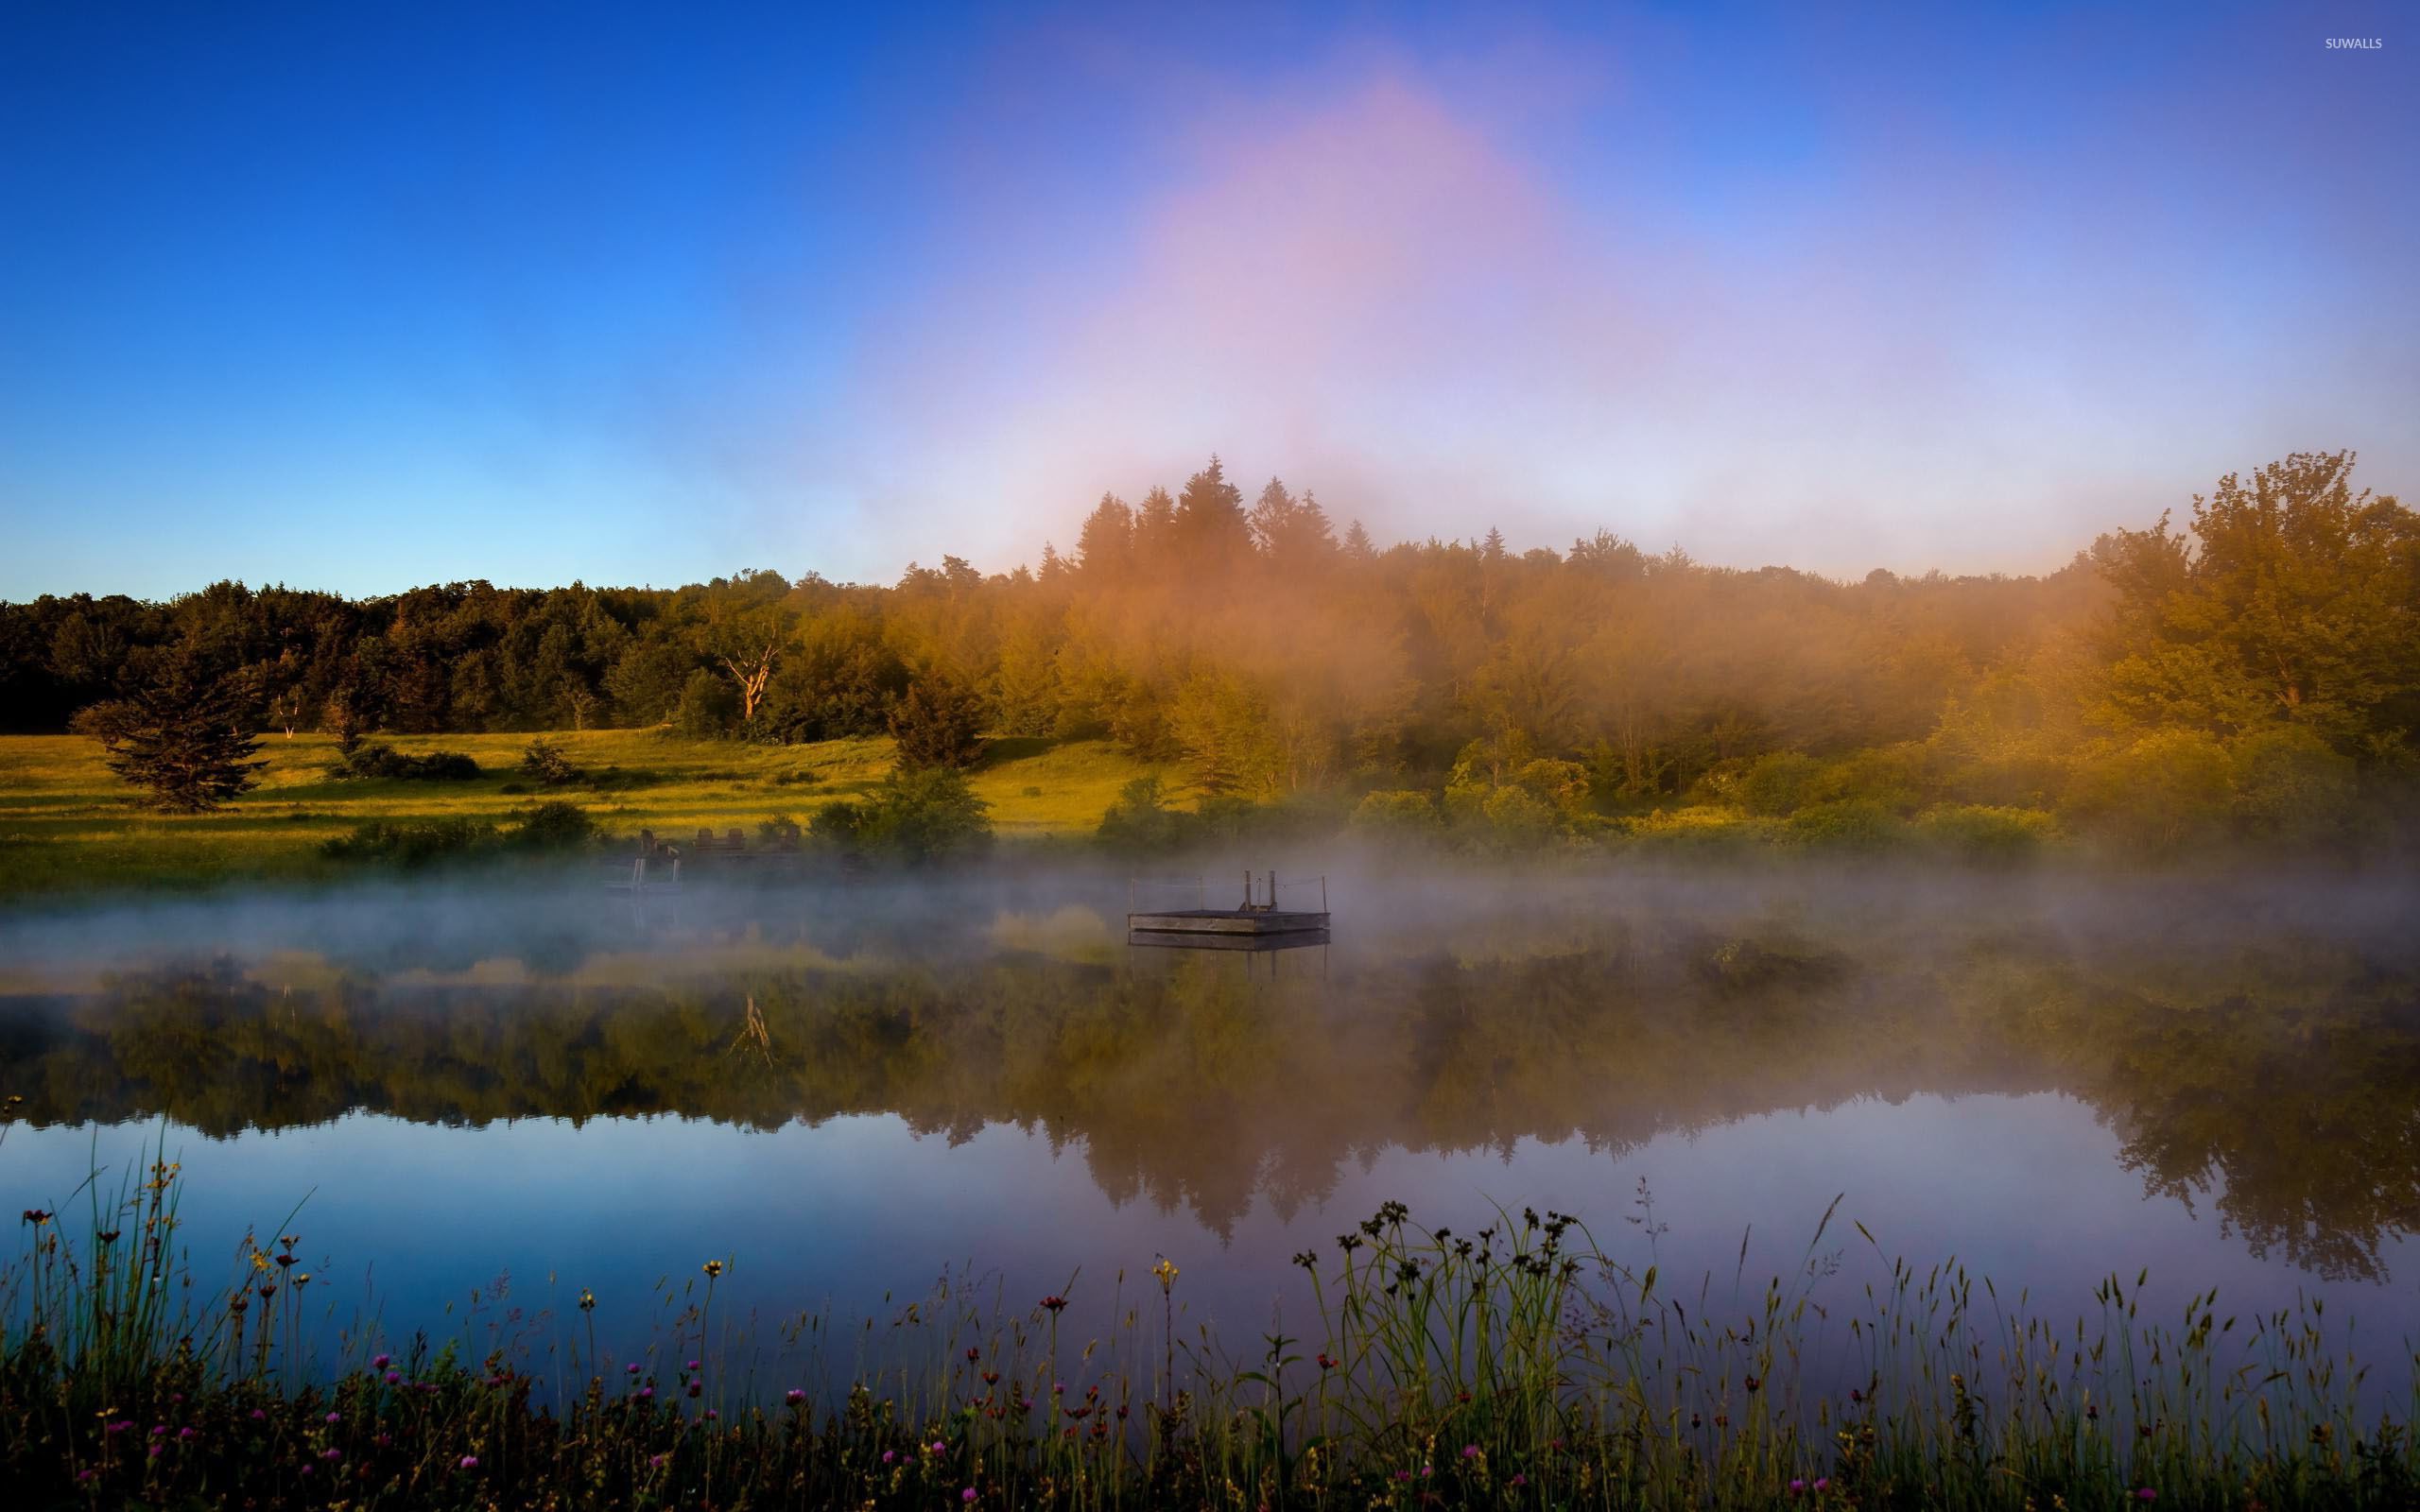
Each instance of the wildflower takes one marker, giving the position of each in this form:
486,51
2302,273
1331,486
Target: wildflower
658,1461
712,1414
1823,1483
470,1462
714,1268
1518,1479
259,1416
693,1365
889,1455
1053,1303
794,1396
184,1432
335,1418
973,1355
37,1217
1402,1476
1165,1271
967,1495
646,1393
394,1378
1326,1361
695,1387
587,1300
634,1367
1470,1452
107,1236
2146,1494
381,1362
332,1455
1797,1488
119,1427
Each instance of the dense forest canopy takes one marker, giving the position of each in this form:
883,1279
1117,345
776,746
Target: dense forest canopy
2273,638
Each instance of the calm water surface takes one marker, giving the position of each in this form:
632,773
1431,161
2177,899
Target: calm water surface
849,1092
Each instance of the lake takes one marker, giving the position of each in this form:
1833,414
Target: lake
485,1099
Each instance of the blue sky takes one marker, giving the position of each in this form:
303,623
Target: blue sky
358,299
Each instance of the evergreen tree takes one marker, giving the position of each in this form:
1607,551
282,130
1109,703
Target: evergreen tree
1154,551
1357,543
1105,546
1212,531
184,737
938,724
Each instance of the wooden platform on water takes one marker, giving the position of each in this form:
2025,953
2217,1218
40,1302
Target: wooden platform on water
1245,922
1196,940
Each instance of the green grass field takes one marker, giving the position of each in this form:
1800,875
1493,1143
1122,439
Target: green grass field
67,824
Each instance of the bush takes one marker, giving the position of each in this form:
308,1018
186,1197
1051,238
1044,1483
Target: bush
381,762
2291,787
550,826
549,829
1696,833
1138,820
1397,810
1985,833
1855,824
1777,784
414,844
545,763
2164,793
709,707
915,817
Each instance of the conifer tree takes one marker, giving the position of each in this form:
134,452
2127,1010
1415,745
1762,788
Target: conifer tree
184,738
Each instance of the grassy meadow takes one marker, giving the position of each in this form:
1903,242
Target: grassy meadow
68,824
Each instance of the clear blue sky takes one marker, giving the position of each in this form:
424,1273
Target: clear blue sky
361,297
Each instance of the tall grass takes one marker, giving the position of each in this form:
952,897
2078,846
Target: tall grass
1514,1364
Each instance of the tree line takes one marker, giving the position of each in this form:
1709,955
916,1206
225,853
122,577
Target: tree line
2272,636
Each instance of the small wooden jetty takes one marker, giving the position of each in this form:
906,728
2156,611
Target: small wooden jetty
1257,922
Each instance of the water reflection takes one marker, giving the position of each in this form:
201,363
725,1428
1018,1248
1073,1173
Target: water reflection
2261,1064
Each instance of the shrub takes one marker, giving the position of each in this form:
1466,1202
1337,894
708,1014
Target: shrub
545,763
1858,824
382,763
411,845
2168,791
1985,832
1777,784
2291,787
556,826
1138,820
1397,810
922,816
1696,833
708,707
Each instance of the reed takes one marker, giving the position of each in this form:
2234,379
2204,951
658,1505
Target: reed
1514,1364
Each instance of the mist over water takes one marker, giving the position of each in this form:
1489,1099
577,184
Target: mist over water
851,1089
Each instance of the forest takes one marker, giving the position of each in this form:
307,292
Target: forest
2250,671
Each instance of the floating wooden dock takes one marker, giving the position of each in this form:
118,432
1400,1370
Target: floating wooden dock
1258,919
1200,941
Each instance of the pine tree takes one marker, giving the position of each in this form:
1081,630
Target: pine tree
184,737
1357,543
1211,529
1105,545
1156,533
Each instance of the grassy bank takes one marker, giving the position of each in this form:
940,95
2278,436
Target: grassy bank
1512,1366
66,823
